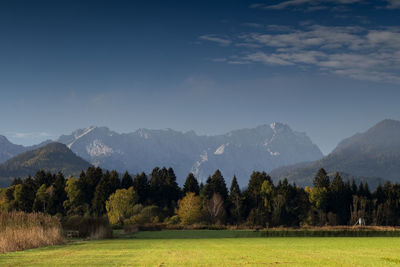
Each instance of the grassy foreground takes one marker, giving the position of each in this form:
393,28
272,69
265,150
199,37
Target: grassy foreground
214,248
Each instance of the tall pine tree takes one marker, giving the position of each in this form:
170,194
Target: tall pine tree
191,185
235,202
142,187
126,181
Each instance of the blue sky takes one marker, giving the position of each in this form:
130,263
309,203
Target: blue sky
330,68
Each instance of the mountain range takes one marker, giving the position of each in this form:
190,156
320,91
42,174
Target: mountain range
238,152
372,156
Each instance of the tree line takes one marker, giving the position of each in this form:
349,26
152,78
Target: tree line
156,198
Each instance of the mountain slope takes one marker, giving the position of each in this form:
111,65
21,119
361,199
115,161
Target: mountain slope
238,152
9,150
53,157
375,153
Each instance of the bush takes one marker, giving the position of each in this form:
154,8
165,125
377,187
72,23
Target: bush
147,215
20,231
89,227
172,220
129,229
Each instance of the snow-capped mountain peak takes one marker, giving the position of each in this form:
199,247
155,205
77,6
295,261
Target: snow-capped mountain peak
261,148
79,134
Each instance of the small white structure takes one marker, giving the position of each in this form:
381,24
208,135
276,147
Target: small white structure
360,221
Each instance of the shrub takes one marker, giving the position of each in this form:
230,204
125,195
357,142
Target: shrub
89,227
20,231
129,229
149,214
172,220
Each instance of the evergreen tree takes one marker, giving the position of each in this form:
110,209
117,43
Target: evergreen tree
206,191
164,189
115,183
338,203
201,186
321,180
288,203
367,192
360,191
337,184
215,184
58,196
173,190
379,194
235,201
126,181
40,179
88,182
16,181
253,202
26,195
103,191
354,188
191,185
253,192
157,182
142,187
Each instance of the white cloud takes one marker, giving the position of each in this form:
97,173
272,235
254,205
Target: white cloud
273,59
253,25
213,38
356,52
314,4
393,4
31,135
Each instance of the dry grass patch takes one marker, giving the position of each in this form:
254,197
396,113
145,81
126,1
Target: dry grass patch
20,231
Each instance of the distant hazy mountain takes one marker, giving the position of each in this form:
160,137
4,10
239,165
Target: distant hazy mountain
9,150
237,153
53,157
375,153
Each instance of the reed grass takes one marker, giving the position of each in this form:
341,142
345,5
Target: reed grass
20,231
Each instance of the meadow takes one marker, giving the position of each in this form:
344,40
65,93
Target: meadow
213,248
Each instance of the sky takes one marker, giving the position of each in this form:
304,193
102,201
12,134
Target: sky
329,68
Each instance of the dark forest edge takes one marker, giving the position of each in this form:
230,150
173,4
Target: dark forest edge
157,198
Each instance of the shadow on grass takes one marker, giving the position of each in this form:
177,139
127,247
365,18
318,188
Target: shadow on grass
209,234
197,234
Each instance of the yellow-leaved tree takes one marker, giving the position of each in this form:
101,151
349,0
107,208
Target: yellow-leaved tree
189,209
120,204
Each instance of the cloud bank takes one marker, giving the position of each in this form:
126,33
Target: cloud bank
357,52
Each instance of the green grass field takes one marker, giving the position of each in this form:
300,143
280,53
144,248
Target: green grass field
214,248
